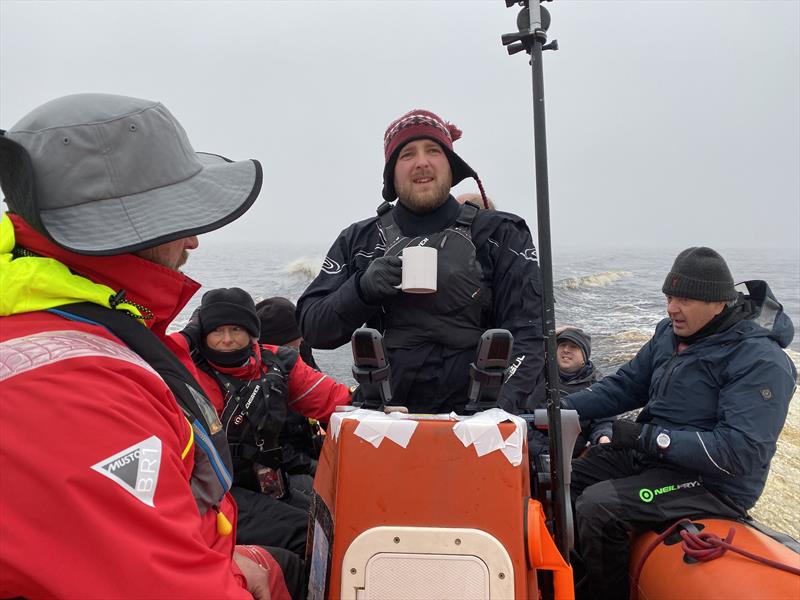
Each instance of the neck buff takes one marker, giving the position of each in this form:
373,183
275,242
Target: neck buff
230,359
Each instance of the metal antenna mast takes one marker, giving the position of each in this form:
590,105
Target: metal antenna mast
532,24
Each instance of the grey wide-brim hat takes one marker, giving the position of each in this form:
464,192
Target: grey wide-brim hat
102,175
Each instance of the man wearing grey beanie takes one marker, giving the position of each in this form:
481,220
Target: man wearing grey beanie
714,386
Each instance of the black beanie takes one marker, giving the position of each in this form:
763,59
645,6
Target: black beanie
700,273
228,306
578,337
278,321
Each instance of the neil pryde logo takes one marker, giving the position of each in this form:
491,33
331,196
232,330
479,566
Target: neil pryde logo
135,469
647,495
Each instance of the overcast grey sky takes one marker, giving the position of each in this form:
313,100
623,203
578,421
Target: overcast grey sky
669,123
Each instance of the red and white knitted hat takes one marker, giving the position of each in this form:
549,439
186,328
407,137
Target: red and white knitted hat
422,124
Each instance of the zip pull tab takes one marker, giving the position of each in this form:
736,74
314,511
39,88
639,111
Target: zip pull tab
443,242
224,526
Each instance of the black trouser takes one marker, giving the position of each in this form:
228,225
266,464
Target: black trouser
292,569
265,521
301,488
615,492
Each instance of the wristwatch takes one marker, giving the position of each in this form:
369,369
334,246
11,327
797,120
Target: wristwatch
663,440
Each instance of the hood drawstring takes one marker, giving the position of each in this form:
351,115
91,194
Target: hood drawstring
115,300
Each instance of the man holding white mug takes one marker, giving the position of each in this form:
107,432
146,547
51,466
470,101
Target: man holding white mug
431,275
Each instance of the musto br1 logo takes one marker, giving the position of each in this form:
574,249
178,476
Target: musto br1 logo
647,495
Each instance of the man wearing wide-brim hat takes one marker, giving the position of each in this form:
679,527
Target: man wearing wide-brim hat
115,472
487,277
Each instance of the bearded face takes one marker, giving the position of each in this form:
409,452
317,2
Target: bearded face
422,176
172,255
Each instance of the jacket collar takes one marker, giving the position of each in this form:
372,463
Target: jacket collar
413,224
162,291
582,375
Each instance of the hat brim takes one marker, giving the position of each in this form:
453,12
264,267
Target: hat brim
219,193
459,169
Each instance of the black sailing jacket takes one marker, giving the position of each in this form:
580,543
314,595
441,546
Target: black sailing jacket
430,377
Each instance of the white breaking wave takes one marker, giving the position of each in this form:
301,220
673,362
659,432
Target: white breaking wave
307,267
632,336
596,280
623,346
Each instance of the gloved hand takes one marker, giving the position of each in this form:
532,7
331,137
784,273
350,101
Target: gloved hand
639,436
380,279
193,330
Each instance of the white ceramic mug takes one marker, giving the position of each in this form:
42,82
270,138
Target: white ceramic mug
420,265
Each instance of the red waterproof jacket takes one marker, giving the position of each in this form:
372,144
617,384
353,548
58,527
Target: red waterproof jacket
311,393
95,454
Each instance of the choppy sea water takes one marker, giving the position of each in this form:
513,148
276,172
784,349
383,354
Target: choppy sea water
614,295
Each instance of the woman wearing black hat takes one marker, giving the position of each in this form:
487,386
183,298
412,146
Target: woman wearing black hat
252,387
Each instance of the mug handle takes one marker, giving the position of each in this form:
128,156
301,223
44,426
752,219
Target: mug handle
400,286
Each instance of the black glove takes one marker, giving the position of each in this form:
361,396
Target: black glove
193,330
639,436
380,279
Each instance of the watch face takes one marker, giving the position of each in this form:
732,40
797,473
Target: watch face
662,440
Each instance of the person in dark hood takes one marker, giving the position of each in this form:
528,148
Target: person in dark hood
714,385
487,270
301,438
279,327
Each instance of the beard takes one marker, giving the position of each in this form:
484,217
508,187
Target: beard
158,256
423,201
181,260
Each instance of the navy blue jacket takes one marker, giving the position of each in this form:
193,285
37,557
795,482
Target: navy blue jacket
723,399
331,308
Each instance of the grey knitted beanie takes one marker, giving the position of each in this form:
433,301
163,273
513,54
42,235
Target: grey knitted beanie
700,273
578,337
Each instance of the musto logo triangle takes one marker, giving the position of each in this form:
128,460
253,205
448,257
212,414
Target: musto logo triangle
135,469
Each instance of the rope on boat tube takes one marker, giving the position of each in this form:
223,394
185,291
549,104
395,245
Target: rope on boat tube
703,547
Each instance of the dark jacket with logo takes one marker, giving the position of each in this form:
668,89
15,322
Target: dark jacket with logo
723,399
428,375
